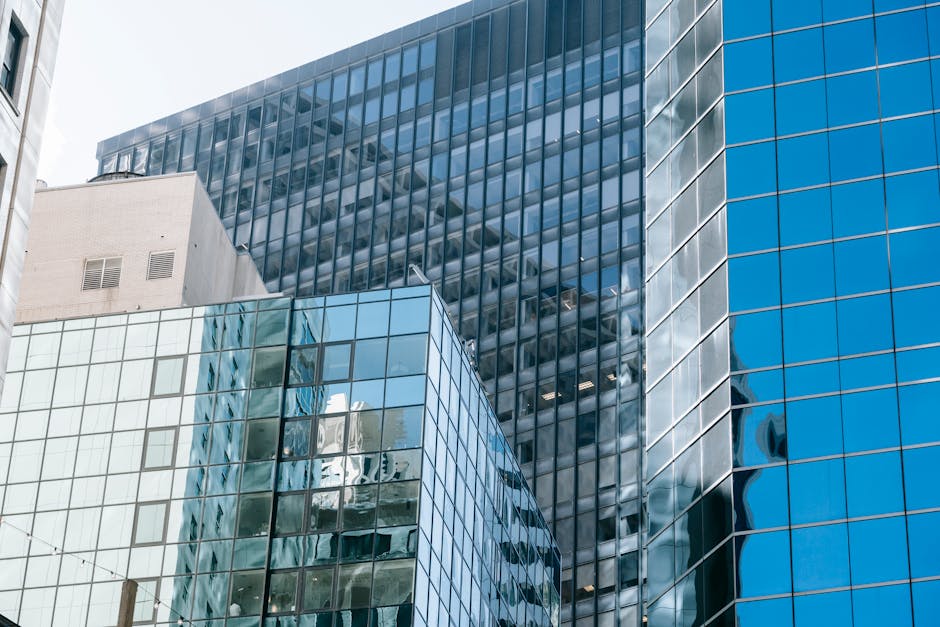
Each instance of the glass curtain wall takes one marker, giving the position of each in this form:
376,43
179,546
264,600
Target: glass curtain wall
309,462
497,148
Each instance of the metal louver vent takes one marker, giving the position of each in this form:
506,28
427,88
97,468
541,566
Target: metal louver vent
101,273
161,265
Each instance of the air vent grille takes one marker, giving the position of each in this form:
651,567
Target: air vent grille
101,273
161,265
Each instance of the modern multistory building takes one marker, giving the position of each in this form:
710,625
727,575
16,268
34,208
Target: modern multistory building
496,147
312,462
127,244
29,37
791,213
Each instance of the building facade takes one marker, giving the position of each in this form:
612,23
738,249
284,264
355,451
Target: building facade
791,228
29,37
129,244
497,148
316,462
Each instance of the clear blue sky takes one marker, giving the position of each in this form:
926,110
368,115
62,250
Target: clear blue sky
123,63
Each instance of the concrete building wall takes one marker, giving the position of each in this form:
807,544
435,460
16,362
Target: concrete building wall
130,219
22,118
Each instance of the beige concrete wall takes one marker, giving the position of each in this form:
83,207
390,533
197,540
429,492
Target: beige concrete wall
214,273
127,218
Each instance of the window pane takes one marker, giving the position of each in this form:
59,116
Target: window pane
150,522
282,594
407,355
247,589
254,514
161,445
393,582
402,428
318,589
336,362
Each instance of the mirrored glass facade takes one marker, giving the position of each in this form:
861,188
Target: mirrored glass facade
496,147
305,462
791,209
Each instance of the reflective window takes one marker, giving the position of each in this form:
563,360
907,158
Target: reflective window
817,491
820,561
159,448
168,376
763,564
878,550
149,523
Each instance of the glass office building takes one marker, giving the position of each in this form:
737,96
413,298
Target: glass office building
308,462
496,147
792,280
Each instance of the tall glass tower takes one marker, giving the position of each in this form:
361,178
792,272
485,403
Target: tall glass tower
497,148
792,280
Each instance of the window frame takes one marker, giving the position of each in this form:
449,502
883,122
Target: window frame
143,457
166,518
13,66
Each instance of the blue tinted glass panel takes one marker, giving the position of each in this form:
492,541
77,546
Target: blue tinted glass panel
864,372
861,265
817,491
759,435
748,64
904,145
852,98
858,208
809,332
798,55
752,170
921,488
901,36
925,544
878,550
870,420
905,89
764,564
795,13
885,605
812,379
801,107
919,364
841,9
933,29
749,116
926,602
873,484
753,281
913,199
745,18
814,427
756,340
919,403
803,161
752,225
760,386
915,316
805,217
850,46
910,252
855,152
763,499
807,273
865,324
820,561
770,613
833,609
